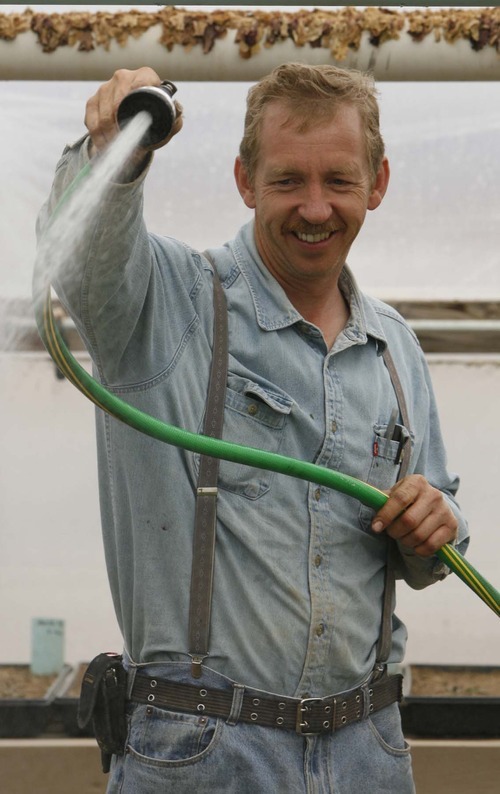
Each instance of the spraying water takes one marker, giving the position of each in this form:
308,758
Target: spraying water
70,221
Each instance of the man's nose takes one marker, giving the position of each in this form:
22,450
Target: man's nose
315,207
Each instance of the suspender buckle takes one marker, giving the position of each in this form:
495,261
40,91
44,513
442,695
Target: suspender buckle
205,491
196,663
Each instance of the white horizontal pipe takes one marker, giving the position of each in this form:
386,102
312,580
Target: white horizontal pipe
398,60
27,324
461,326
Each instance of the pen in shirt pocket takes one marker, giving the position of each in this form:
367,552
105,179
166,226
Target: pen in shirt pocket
396,432
387,434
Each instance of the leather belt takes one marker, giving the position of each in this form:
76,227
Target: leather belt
306,716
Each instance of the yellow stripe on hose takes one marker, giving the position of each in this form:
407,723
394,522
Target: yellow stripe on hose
57,354
462,569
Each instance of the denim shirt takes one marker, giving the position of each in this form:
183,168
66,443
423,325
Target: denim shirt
299,574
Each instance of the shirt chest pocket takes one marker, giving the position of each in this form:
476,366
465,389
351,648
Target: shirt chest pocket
254,416
384,466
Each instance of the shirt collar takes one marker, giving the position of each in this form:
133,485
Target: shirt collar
274,310
364,320
272,307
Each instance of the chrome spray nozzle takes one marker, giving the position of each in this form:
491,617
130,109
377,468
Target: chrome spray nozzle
158,102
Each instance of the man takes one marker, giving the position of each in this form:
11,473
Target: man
291,694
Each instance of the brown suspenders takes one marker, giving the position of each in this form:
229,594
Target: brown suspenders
385,636
206,500
206,493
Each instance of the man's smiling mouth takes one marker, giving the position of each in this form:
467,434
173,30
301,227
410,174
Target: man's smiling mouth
313,238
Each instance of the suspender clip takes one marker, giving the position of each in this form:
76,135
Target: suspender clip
196,663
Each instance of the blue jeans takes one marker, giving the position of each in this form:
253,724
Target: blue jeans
173,752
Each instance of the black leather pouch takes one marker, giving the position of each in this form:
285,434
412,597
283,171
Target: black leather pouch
102,701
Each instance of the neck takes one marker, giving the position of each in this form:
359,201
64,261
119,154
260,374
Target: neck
328,311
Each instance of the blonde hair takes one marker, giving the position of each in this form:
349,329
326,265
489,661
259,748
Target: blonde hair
313,93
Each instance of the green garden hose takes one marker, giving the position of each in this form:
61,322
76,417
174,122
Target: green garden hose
108,402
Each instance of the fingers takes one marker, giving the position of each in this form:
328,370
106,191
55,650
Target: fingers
100,115
417,516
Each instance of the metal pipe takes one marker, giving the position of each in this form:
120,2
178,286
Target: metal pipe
18,332
459,326
400,59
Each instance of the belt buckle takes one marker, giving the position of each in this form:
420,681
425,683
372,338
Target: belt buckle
301,723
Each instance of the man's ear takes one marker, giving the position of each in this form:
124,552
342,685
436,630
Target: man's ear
243,184
380,186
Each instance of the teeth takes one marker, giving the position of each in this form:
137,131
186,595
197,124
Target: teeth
313,238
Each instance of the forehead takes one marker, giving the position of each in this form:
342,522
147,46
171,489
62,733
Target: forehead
285,133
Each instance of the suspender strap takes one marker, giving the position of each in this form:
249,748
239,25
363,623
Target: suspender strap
385,638
206,495
406,453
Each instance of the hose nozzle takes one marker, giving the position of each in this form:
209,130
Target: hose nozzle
158,102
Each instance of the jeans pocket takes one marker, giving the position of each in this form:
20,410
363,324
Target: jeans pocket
385,725
165,738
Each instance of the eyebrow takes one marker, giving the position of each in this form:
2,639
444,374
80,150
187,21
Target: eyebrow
348,170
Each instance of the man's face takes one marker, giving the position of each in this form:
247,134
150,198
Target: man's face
310,194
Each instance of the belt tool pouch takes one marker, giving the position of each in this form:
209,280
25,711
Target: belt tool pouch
102,701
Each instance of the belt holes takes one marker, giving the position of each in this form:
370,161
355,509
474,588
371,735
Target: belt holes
200,707
344,704
358,698
255,701
280,721
371,708
254,716
203,693
358,715
281,706
326,724
343,720
151,698
328,709
153,683
370,692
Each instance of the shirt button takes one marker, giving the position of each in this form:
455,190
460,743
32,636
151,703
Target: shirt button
318,560
317,494
334,426
320,629
252,409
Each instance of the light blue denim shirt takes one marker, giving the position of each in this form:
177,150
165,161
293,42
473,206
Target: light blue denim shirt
298,573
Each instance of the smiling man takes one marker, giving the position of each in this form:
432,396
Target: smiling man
272,675
310,189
